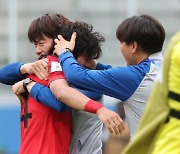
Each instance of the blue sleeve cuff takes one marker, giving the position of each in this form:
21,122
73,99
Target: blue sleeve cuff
17,70
64,56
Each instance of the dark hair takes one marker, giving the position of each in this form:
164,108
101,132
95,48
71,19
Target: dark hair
88,43
47,25
145,30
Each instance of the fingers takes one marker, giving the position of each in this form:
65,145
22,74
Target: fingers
40,69
111,119
110,129
21,98
115,126
61,43
46,61
72,41
18,88
73,37
121,122
56,41
61,38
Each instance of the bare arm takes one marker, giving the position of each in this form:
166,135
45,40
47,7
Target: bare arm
70,96
61,89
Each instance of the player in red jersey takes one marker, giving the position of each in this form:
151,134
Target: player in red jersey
44,130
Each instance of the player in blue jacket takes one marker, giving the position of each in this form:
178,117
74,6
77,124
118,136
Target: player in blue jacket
141,38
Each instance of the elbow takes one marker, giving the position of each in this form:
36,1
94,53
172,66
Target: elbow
62,95
59,94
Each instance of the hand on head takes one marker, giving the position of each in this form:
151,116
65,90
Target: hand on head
61,43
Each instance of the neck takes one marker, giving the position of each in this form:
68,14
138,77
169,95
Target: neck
141,58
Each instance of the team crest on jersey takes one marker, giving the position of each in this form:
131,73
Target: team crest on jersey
55,67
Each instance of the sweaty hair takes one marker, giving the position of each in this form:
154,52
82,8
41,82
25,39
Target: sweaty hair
145,30
47,25
88,43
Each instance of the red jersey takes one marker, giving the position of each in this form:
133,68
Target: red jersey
44,130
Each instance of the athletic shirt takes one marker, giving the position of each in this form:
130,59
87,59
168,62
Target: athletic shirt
134,106
48,131
86,130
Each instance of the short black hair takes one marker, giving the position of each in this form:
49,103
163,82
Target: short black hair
145,30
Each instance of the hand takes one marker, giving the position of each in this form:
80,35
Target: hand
39,68
17,88
21,98
61,43
112,120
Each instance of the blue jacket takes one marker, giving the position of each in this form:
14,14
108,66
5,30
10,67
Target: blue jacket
118,82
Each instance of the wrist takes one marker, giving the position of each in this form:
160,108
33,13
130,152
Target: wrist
98,111
30,85
23,69
25,83
63,51
92,106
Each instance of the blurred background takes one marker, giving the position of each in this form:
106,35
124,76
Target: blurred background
104,15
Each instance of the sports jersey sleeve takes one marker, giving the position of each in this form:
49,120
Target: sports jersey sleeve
44,95
119,82
10,74
55,72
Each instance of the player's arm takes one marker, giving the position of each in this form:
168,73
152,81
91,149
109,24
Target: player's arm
10,73
44,95
40,93
72,97
119,82
14,72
